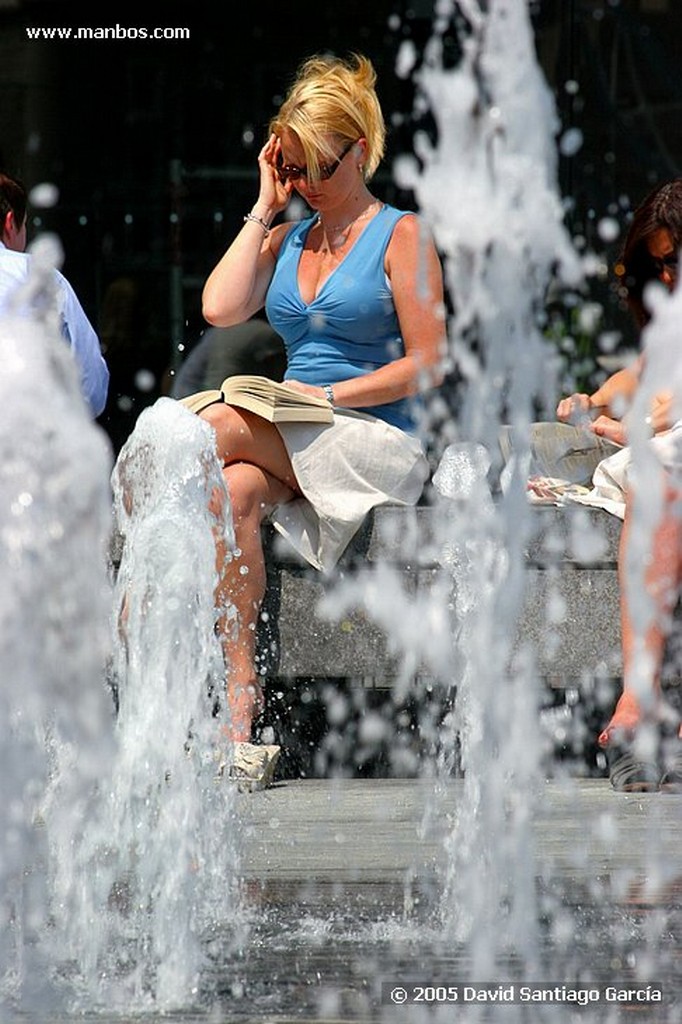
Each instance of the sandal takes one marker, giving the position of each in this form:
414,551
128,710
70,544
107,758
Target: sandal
252,768
671,780
629,773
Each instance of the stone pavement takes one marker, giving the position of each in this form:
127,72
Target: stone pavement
343,877
374,829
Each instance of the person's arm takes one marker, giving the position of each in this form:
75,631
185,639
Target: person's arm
237,286
414,269
659,420
614,395
85,345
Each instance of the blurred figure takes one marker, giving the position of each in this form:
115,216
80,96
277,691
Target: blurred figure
253,347
590,427
14,272
650,254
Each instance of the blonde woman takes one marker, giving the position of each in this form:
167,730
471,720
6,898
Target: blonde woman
356,292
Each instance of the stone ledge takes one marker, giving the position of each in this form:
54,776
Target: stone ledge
570,559
410,536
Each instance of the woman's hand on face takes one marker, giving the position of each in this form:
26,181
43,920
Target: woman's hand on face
273,193
305,389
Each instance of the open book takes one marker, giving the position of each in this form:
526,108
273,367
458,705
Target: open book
274,402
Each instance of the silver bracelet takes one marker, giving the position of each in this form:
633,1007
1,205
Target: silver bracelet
259,221
329,393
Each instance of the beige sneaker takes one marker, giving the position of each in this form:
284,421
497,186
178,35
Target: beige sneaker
253,766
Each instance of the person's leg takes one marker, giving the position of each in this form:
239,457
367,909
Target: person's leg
242,436
258,476
239,595
662,580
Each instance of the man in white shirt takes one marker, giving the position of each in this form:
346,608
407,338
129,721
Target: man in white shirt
75,326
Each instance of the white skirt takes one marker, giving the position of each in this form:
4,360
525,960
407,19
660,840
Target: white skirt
344,469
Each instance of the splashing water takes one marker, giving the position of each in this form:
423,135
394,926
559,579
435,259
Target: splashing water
159,853
54,520
504,242
487,187
119,855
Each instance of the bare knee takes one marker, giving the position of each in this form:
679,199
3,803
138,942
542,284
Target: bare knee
248,490
228,424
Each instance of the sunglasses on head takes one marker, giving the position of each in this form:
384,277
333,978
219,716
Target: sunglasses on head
291,172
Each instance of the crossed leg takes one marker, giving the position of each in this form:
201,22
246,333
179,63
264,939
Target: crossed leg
258,475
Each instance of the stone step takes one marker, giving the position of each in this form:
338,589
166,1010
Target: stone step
570,562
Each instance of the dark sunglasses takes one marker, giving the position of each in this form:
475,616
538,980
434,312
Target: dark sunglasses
666,263
290,172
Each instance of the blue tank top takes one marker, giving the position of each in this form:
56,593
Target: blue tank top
351,328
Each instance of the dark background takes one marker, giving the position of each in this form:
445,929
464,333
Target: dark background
152,144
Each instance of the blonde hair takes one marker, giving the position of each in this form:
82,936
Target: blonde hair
337,98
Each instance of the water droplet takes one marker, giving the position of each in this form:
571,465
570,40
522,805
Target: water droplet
608,229
144,380
571,141
44,195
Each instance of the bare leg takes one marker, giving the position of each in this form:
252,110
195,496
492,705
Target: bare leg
662,581
258,476
253,493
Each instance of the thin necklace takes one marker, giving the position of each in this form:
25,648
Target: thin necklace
337,234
